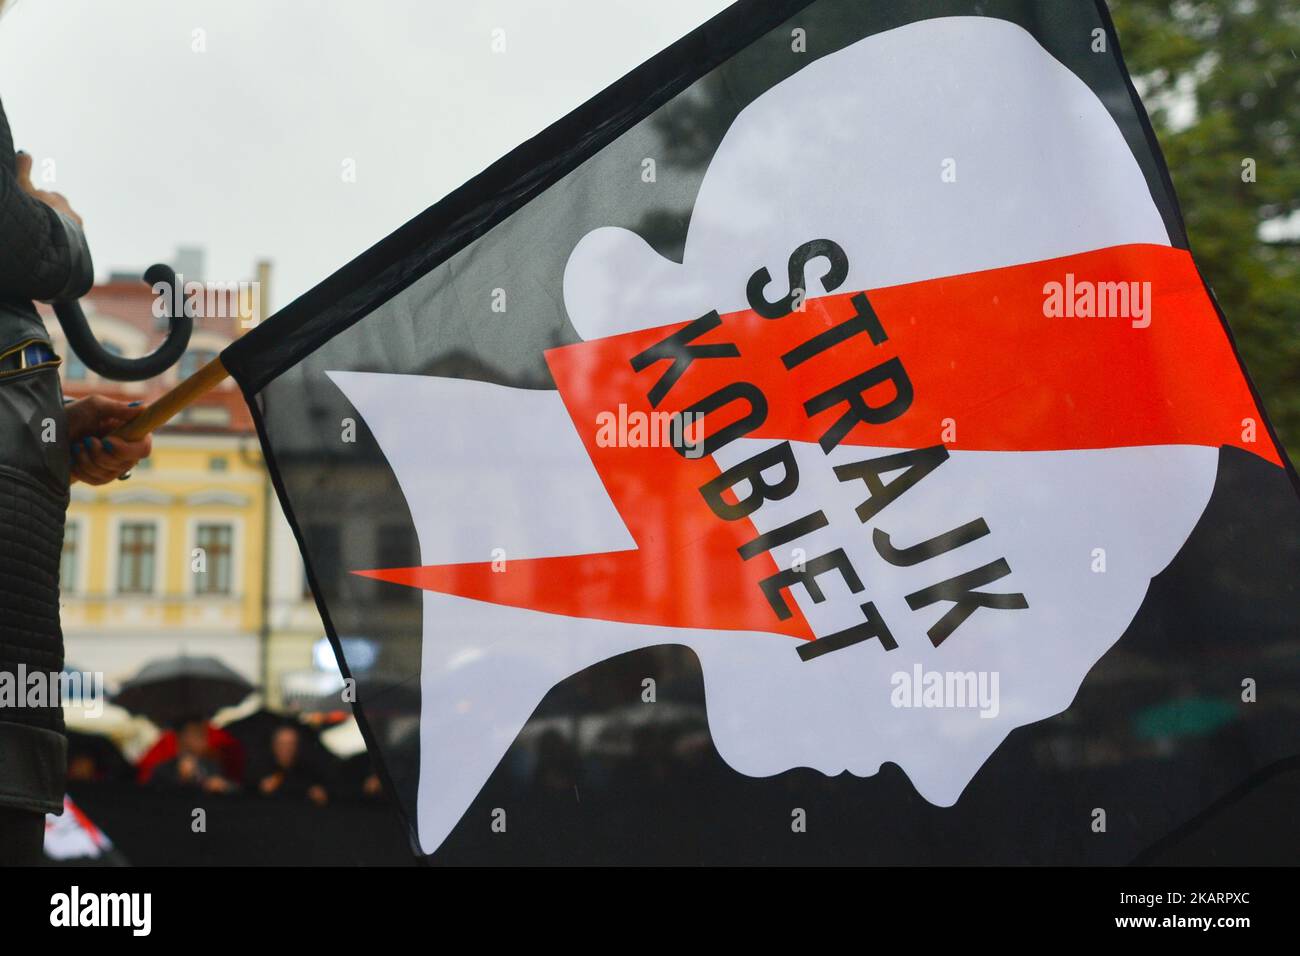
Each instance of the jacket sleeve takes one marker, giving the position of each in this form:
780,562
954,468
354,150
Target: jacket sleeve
45,255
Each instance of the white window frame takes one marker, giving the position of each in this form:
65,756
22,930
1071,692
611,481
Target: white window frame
236,523
79,564
159,584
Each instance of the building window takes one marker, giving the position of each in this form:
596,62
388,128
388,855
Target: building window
74,370
218,464
68,560
137,542
215,540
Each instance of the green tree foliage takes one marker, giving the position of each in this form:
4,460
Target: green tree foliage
1221,80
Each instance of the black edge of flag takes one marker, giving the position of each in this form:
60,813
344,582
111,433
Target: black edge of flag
1267,773
448,226
1153,144
379,765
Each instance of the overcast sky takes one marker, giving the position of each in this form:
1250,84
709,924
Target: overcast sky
234,139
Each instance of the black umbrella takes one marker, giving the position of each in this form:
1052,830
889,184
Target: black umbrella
168,691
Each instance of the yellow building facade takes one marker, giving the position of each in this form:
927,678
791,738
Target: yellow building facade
171,561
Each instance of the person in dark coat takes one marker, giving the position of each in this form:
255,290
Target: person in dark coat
44,445
290,775
196,763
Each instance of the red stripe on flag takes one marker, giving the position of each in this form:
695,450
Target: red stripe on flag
979,351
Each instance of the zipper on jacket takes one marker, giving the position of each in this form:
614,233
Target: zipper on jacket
49,363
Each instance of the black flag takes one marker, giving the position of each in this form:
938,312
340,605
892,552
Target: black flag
820,445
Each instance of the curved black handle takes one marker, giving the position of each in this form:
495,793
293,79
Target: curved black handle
98,359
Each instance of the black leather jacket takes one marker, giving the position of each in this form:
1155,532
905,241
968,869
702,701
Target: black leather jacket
43,255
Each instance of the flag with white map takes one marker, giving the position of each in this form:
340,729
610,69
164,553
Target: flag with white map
819,447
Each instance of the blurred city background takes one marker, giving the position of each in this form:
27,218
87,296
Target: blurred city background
191,558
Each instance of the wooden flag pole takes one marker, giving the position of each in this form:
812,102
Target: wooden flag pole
166,406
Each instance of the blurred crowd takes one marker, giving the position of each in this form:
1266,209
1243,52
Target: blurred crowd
266,754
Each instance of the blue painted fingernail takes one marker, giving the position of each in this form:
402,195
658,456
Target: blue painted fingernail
108,445
132,404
